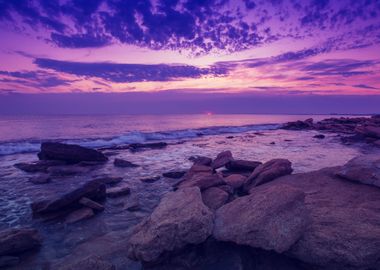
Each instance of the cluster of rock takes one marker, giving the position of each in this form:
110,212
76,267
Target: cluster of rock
358,129
328,219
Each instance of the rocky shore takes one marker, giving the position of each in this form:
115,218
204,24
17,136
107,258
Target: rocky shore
221,213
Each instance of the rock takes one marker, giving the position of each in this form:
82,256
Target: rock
214,197
344,233
174,174
118,191
41,179
150,179
109,180
6,261
242,165
202,180
197,169
368,131
298,125
180,219
222,159
90,263
79,215
15,241
235,180
118,162
91,204
67,170
270,218
268,171
38,166
93,190
201,160
319,136
69,153
142,146
363,169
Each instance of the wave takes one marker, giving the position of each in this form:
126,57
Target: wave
31,146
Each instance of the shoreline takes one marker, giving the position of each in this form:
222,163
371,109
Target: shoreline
138,188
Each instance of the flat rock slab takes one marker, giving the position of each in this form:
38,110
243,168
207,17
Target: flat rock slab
150,179
345,221
180,219
362,169
270,218
90,263
15,241
91,204
174,174
79,215
118,191
118,162
109,180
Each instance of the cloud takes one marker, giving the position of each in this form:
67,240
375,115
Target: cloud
196,26
122,73
365,86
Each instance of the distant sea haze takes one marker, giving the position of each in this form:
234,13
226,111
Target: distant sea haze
23,134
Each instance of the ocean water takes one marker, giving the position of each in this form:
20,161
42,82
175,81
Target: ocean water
251,137
23,134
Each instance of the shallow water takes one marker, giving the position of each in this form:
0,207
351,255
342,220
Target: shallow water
106,234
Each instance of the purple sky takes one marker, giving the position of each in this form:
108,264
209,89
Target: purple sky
189,56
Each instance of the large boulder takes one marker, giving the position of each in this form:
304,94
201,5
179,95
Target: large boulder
180,219
364,169
344,232
94,190
69,153
270,218
202,180
268,171
222,159
15,241
214,197
235,180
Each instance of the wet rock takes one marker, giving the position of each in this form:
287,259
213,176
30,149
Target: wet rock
242,165
344,233
91,204
118,162
271,218
143,146
90,263
40,179
180,219
93,190
150,179
202,180
368,131
6,261
67,170
272,143
69,153
268,171
299,125
79,215
201,160
174,174
109,180
319,136
235,180
222,159
15,241
214,197
118,191
363,169
38,166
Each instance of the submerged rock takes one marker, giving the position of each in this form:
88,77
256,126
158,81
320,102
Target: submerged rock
94,190
150,179
40,179
118,162
271,218
222,159
363,169
268,171
174,174
214,197
109,180
79,215
118,191
38,166
15,241
180,219
143,146
69,153
319,136
91,204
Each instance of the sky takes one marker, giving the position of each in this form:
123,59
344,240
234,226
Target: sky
190,56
